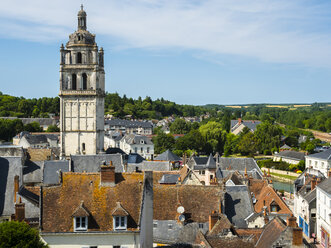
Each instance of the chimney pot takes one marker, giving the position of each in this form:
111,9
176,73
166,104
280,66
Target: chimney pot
20,211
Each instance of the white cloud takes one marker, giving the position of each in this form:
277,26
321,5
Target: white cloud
273,31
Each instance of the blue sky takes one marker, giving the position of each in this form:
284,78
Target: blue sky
187,51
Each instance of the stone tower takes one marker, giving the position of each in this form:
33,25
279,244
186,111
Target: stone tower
82,92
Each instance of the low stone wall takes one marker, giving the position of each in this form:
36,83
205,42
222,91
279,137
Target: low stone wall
289,173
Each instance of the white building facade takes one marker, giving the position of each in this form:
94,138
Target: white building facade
320,161
82,92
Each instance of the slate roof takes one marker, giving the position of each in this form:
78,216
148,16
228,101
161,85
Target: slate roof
36,138
148,166
115,150
202,163
51,171
99,201
325,185
91,163
238,205
311,196
169,178
30,196
135,158
321,155
9,168
137,139
291,155
128,123
228,165
271,233
251,124
32,171
168,156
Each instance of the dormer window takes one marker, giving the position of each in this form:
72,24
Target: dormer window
142,142
120,222
80,217
119,217
80,224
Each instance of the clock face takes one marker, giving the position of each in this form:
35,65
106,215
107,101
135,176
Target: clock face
182,217
180,209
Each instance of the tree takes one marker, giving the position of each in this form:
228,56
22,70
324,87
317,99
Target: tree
247,144
214,137
53,128
19,235
179,126
231,144
33,127
267,137
163,142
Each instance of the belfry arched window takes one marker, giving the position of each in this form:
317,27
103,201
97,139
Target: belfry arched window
74,82
84,76
79,58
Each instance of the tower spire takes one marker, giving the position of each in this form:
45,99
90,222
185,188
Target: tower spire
81,18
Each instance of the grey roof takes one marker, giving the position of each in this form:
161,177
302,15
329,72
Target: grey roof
32,171
321,155
117,136
9,168
128,123
36,138
149,166
169,178
31,201
41,121
135,158
11,151
325,185
51,171
137,139
202,163
238,205
311,196
172,232
168,156
91,163
251,124
291,155
285,147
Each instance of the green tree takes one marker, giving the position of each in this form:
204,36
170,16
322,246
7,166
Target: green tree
231,144
179,126
267,137
214,137
53,128
163,142
33,127
14,234
247,144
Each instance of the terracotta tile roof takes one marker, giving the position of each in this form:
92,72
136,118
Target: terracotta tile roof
119,210
81,211
256,185
198,201
221,224
34,189
99,201
38,154
157,175
225,242
271,233
268,196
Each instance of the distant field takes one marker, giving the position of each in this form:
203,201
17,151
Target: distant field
277,106
302,105
235,106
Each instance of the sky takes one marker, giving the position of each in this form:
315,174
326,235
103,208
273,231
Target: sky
187,51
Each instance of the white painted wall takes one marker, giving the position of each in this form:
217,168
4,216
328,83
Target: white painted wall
323,204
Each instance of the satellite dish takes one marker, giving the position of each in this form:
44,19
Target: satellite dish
181,217
180,210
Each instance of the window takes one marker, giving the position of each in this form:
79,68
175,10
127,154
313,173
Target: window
203,172
147,149
309,162
116,246
155,224
169,226
274,208
324,214
200,225
135,149
120,222
74,82
79,58
211,177
83,147
141,150
84,78
80,224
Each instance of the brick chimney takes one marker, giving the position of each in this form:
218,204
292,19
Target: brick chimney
239,120
329,173
16,187
266,218
297,236
213,218
20,210
107,174
313,183
291,221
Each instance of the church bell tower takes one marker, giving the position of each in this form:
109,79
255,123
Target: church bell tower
82,92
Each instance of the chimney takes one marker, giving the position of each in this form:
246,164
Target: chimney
239,120
297,236
20,211
266,218
213,218
107,174
329,173
291,221
313,183
16,187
